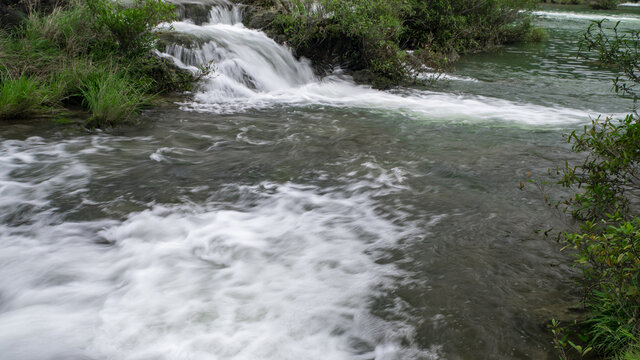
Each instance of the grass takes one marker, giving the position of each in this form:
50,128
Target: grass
92,53
20,97
112,97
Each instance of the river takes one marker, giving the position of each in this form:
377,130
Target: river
273,214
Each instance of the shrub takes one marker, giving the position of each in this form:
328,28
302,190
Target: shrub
464,26
67,30
607,248
620,50
130,27
609,253
362,34
604,4
610,174
93,52
373,34
605,188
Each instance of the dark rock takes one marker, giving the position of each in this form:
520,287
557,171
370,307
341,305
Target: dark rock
168,76
13,12
363,76
196,12
259,19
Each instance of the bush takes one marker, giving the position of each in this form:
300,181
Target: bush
620,50
374,35
610,175
607,248
604,4
362,34
130,27
609,252
606,189
464,26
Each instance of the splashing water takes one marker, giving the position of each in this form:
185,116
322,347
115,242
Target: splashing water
252,71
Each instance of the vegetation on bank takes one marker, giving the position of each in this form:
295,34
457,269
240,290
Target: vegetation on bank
606,202
393,39
93,54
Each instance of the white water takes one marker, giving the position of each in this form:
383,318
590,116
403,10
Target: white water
254,72
581,16
290,276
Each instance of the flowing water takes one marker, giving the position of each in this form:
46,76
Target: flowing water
276,214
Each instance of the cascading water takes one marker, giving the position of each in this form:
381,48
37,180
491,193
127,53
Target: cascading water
246,62
252,71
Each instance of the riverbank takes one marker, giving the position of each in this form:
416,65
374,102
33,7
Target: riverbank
390,42
93,55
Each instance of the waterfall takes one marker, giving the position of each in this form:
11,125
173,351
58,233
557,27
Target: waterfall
245,69
244,62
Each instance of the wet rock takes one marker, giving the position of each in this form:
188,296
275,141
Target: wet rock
256,19
196,12
169,77
363,76
166,38
13,12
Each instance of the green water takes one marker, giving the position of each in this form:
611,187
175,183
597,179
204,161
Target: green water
551,73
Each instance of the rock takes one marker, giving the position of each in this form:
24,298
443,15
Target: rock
363,76
13,12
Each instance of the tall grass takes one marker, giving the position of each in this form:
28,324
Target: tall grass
93,53
112,97
20,97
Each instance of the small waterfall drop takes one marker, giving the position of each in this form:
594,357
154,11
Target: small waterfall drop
245,69
243,62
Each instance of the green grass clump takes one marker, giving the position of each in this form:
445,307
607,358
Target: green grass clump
20,97
112,98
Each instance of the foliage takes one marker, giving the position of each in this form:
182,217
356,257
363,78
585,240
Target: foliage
375,34
562,341
565,2
610,175
82,54
19,97
604,4
605,188
620,50
609,252
465,25
111,97
364,33
130,26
